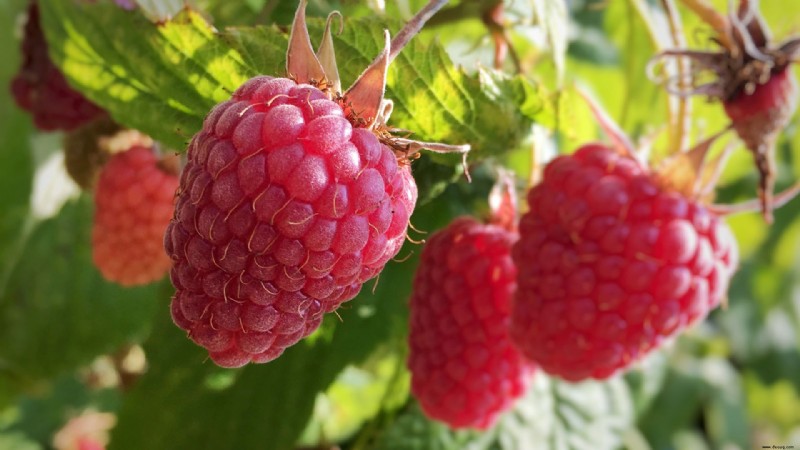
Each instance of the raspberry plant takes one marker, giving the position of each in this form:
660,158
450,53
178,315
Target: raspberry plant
501,77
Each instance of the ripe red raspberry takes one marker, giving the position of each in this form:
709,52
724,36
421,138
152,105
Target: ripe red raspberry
611,263
41,89
465,370
285,210
134,199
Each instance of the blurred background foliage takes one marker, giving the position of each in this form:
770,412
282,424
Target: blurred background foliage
71,342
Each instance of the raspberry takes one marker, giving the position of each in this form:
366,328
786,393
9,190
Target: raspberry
41,89
465,370
611,263
760,115
88,431
758,118
133,204
285,210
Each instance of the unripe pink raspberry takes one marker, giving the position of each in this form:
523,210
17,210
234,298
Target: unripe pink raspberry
293,196
88,431
41,89
611,263
465,370
134,199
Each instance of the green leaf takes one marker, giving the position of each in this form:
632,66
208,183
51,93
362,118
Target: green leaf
674,408
16,171
512,90
358,394
41,414
441,103
553,18
413,431
208,407
162,79
707,387
159,79
262,48
57,312
260,406
553,415
18,441
646,379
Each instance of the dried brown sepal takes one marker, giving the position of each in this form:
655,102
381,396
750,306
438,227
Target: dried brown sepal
363,103
712,172
83,154
691,172
619,140
745,59
302,64
365,97
408,149
503,201
326,54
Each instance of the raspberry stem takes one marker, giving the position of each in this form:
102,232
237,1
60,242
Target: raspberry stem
712,17
621,142
414,26
754,205
680,120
